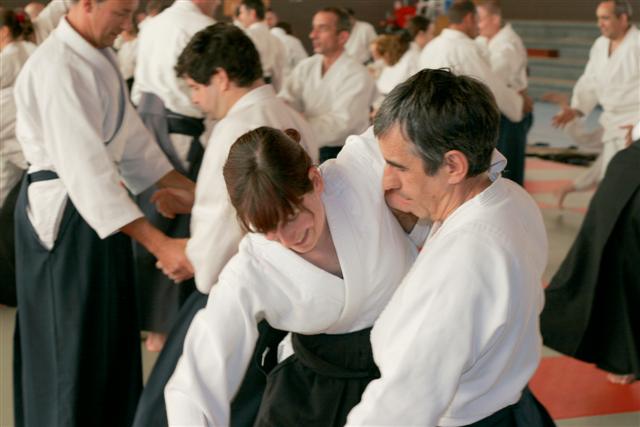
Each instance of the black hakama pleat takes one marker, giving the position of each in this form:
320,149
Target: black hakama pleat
591,303
78,357
512,143
320,383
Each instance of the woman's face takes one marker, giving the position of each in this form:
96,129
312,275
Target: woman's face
302,231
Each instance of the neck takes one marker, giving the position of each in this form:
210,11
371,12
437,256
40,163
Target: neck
462,193
329,59
324,254
235,93
459,27
75,19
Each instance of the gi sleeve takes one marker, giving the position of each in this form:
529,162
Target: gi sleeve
217,350
585,95
48,19
291,91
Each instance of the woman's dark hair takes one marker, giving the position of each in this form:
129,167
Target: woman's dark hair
19,23
438,111
220,46
267,176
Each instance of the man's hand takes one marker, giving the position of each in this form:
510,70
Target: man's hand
173,201
565,116
172,260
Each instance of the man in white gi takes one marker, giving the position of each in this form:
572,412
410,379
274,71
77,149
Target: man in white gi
361,36
611,79
165,107
459,340
332,90
222,67
73,258
295,51
454,48
273,54
508,60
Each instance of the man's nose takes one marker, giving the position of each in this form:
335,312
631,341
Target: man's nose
390,180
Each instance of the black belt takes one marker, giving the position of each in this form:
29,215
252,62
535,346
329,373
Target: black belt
41,176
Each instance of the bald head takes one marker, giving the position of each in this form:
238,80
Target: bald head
33,9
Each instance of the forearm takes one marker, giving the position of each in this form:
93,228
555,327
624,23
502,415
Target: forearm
174,179
143,232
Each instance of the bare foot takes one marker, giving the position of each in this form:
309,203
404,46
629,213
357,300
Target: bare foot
621,379
155,342
561,192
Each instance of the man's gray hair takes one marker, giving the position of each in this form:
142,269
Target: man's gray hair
621,7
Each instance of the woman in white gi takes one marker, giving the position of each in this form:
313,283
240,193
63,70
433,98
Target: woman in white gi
401,62
324,257
14,52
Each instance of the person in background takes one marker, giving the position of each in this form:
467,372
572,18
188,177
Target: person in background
271,18
361,35
610,79
508,60
14,52
331,89
422,31
33,9
401,62
293,46
273,53
128,52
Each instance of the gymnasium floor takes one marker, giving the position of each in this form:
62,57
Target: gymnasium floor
575,393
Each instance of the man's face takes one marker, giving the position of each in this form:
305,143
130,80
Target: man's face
471,25
271,19
324,34
247,16
406,185
488,24
611,26
206,98
108,19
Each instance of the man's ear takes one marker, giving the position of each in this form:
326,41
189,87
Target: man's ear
221,79
456,166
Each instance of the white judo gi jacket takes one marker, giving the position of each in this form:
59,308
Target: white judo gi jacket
215,230
335,104
295,51
455,50
460,338
361,37
393,75
507,57
65,117
273,54
612,81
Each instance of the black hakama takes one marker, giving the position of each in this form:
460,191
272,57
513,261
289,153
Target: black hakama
152,411
78,354
591,310
527,412
160,298
320,383
512,143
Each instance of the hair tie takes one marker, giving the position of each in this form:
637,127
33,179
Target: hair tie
21,17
